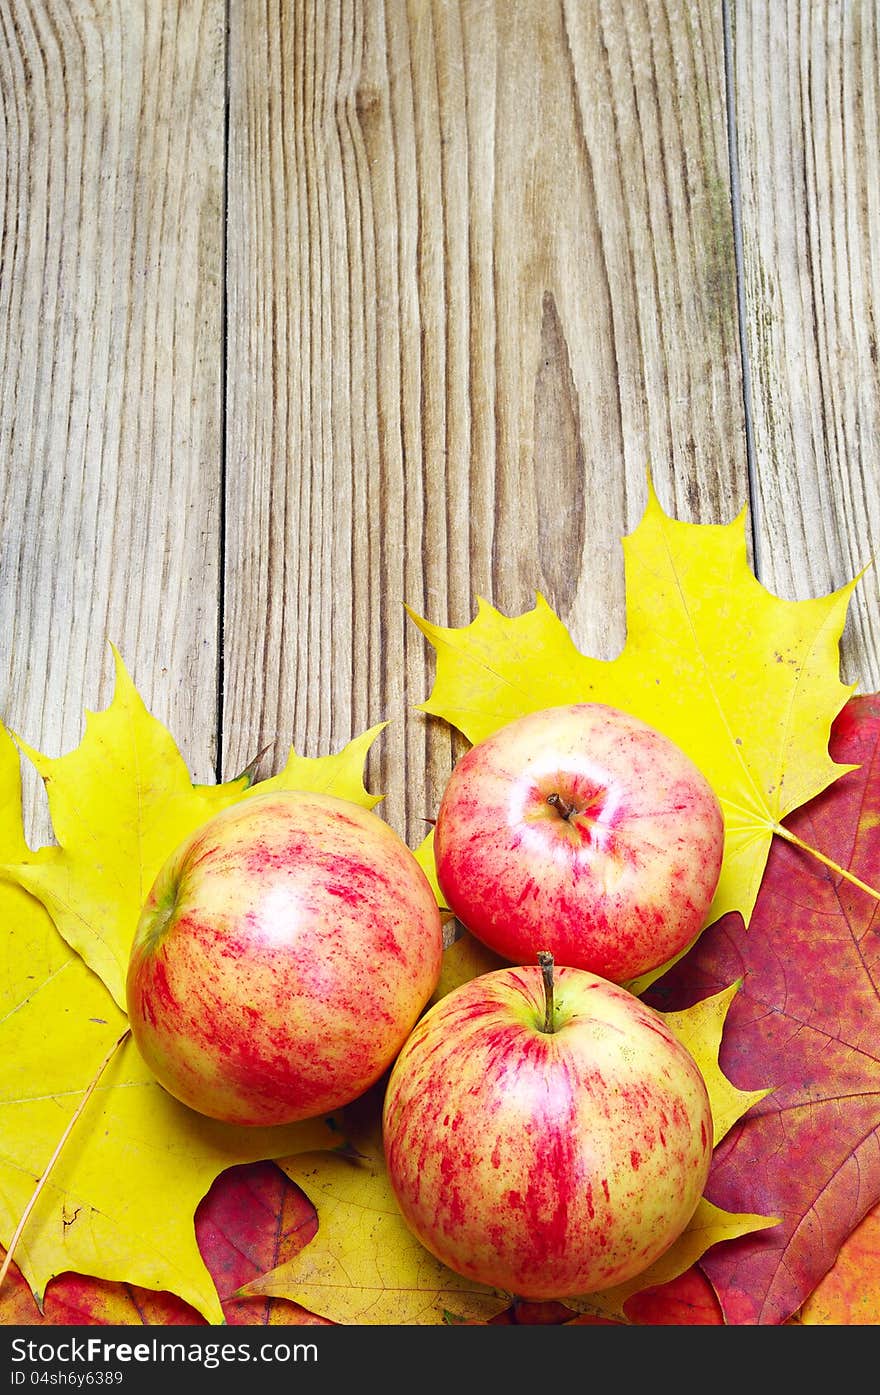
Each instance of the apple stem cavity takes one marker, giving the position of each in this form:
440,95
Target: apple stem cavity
562,806
545,959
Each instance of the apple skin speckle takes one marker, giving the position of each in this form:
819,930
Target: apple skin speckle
546,1164
581,830
282,956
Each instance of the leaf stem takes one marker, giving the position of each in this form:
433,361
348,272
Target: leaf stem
57,1153
545,959
835,866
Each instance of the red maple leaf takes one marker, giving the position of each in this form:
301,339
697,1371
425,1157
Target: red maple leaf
806,1021
252,1218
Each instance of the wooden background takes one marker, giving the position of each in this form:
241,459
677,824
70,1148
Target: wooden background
311,309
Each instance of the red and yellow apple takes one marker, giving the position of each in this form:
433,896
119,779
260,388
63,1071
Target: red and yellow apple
582,830
548,1136
282,957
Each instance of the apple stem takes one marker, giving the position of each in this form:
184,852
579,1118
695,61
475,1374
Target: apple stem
564,809
545,959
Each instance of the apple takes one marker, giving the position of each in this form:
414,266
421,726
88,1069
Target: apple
582,830
545,1133
282,957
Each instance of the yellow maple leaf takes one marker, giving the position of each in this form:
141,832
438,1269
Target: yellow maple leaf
699,1028
119,1200
364,1265
424,856
340,774
743,681
120,803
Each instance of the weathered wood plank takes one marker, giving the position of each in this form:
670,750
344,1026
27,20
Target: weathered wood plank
111,149
480,275
807,81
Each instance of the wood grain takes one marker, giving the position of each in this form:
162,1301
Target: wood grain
807,81
111,149
480,276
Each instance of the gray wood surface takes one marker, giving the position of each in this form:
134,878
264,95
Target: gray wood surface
808,134
111,273
403,317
